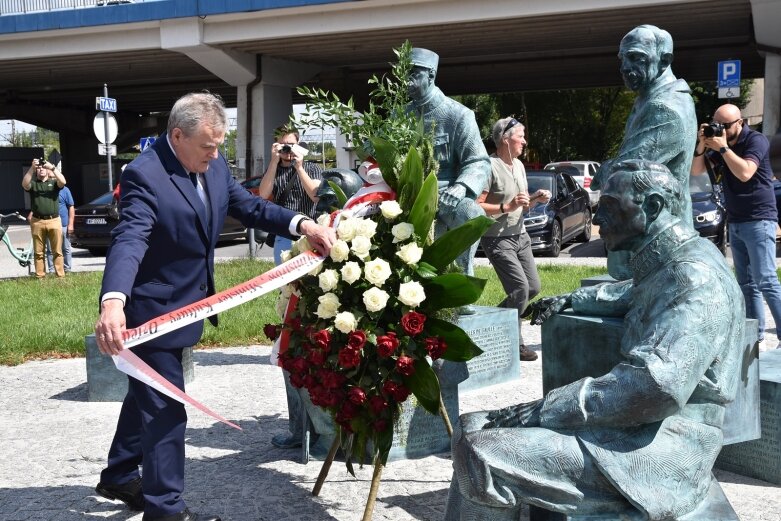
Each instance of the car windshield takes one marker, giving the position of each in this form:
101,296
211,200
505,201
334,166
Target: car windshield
539,181
571,169
103,199
700,184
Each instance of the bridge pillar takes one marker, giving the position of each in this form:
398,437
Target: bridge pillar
771,119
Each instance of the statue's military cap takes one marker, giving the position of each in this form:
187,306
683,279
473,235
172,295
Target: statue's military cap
424,58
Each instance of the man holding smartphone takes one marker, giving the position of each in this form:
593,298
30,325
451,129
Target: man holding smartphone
44,181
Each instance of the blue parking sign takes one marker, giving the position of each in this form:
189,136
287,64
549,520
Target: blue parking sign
729,74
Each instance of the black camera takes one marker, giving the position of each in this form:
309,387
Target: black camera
713,129
285,149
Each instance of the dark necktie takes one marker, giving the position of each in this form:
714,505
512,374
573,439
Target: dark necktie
194,179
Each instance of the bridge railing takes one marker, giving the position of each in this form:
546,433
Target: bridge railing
37,6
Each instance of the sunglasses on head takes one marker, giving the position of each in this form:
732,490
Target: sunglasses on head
510,124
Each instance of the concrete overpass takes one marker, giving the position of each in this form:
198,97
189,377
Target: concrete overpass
255,52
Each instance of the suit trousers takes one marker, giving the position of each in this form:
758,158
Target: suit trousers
150,433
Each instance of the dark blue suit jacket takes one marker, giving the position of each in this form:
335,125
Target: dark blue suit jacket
162,251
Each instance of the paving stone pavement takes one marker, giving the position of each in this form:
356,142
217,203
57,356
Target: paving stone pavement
54,445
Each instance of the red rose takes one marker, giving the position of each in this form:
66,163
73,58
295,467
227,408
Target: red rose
349,357
294,323
334,397
331,379
322,339
436,347
297,381
387,344
357,395
412,322
377,404
380,425
271,331
396,390
316,357
405,365
298,366
310,382
356,339
318,395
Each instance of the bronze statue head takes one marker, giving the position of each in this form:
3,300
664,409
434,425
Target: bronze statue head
345,179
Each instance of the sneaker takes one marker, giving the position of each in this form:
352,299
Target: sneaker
526,354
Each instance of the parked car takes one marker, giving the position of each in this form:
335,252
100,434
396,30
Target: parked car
94,221
566,217
585,171
252,184
708,212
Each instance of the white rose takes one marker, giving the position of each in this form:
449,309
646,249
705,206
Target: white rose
346,229
402,232
377,271
328,280
285,255
345,322
351,271
328,307
390,209
410,253
366,228
375,299
361,246
302,244
324,219
411,294
340,251
317,269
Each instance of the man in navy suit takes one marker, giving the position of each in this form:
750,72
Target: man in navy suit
175,197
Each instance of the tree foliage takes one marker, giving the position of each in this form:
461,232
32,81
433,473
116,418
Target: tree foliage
706,98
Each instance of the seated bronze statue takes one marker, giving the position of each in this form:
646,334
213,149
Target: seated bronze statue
641,440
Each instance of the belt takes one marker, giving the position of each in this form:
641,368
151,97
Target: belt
39,216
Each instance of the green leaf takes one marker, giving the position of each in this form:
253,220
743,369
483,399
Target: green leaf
410,178
453,242
451,290
341,198
384,443
425,386
385,153
426,271
424,210
460,347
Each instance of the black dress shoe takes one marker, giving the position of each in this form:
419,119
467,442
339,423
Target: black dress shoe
184,515
129,493
286,441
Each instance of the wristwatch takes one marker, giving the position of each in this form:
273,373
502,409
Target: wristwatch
723,150
298,226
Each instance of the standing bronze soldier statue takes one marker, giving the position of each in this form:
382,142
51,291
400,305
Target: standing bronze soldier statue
463,161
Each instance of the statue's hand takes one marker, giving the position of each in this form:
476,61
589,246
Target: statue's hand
452,195
541,310
522,415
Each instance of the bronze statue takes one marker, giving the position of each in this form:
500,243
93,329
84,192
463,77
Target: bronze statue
640,440
463,162
662,126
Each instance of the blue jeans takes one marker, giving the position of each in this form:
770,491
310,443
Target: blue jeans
67,254
753,247
281,244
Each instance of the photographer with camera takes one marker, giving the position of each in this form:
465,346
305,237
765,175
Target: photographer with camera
44,189
739,158
290,181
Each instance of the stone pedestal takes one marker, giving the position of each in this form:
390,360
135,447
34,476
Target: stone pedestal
761,458
419,433
105,383
576,346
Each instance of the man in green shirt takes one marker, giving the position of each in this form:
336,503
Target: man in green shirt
43,181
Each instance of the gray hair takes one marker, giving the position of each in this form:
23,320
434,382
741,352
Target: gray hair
649,178
662,39
498,132
197,108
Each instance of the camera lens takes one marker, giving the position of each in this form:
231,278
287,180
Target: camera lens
286,149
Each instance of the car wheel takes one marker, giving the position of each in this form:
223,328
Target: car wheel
555,240
586,235
98,252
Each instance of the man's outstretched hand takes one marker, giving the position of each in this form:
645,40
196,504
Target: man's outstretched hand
541,310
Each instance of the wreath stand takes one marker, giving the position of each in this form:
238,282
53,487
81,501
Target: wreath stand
377,474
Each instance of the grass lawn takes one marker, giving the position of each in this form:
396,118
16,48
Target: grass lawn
49,318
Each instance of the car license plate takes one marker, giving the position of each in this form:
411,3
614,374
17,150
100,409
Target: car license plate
97,220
